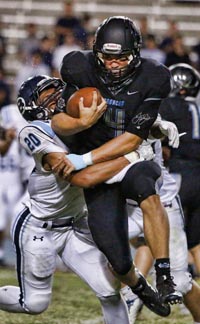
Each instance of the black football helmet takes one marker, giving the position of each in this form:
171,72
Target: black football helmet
28,97
118,36
184,77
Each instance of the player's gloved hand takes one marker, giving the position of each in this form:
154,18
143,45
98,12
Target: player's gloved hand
170,130
80,161
145,151
133,157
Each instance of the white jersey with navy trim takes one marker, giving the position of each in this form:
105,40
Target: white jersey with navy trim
51,197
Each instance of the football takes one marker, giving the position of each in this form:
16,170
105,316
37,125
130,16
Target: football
72,107
156,133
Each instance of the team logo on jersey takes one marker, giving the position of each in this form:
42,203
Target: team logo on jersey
141,119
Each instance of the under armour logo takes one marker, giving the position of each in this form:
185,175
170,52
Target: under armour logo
38,238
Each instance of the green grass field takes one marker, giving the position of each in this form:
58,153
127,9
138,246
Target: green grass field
74,303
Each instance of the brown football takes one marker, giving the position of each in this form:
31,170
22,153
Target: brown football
156,133
87,94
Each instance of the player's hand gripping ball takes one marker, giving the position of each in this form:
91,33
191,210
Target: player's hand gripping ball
87,94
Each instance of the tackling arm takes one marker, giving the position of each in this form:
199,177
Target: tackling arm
87,177
116,147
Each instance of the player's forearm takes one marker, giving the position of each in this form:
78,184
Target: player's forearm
65,125
118,146
98,173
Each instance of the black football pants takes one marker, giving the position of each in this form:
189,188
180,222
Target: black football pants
108,220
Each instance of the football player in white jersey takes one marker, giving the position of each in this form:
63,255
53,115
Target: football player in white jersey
15,168
54,221
178,245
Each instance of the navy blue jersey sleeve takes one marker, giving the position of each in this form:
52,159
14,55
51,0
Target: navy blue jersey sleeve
144,119
75,68
158,87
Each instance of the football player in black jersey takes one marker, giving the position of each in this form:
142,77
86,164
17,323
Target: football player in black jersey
182,109
133,89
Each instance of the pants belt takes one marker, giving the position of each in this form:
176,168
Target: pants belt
168,205
68,222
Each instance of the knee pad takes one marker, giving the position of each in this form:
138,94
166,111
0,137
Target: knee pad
183,281
37,303
140,181
46,267
122,268
41,259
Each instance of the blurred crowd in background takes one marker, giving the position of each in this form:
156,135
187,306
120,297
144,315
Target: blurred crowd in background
42,53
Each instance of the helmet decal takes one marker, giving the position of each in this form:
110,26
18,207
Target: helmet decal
21,105
112,48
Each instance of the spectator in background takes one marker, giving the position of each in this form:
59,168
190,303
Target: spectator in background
2,46
172,31
4,92
144,29
7,136
89,22
68,20
178,53
15,168
35,67
29,43
46,47
151,50
70,44
195,56
90,40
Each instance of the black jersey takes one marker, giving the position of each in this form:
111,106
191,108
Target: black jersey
186,115
132,107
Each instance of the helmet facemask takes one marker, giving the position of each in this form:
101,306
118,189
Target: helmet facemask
116,75
49,104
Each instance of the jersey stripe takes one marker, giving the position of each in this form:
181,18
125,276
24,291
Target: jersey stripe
45,127
18,228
